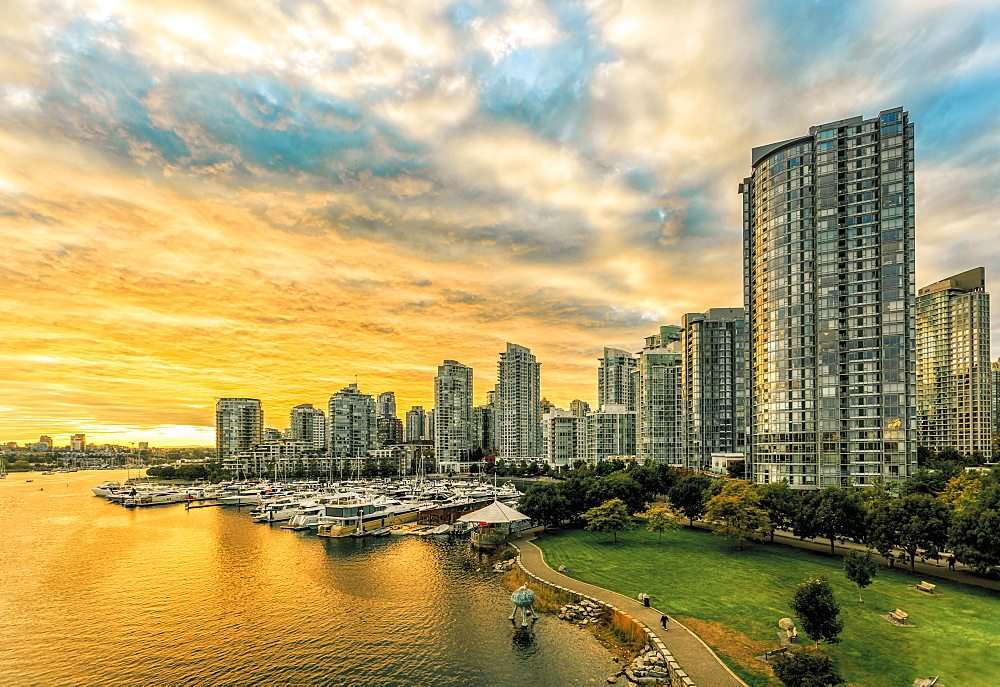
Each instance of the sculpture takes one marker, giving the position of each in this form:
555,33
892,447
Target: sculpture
523,598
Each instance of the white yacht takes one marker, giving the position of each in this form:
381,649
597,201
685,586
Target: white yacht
358,517
154,497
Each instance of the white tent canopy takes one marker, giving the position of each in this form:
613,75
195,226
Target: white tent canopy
494,513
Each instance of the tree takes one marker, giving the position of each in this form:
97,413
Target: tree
804,667
619,485
924,523
545,503
860,569
687,496
882,525
576,490
832,513
611,516
661,519
817,610
780,503
975,534
736,511
737,469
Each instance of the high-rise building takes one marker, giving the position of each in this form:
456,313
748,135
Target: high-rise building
416,418
308,424
615,381
351,420
46,440
484,428
78,442
995,379
954,394
713,390
517,394
389,428
828,230
660,435
239,425
565,437
453,435
611,432
385,404
579,408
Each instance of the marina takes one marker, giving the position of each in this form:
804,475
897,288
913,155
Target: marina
208,596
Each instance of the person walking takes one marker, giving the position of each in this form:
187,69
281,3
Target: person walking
663,621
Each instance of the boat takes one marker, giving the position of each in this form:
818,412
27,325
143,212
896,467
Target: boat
441,529
155,497
381,532
356,518
107,489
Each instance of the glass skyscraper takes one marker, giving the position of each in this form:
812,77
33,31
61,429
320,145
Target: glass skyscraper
517,404
660,410
828,236
239,425
953,366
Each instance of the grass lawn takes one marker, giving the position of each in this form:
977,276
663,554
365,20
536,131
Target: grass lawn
734,600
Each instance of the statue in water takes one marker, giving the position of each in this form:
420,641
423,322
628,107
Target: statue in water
523,598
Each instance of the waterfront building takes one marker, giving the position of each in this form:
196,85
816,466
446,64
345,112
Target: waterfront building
416,419
239,424
713,388
78,442
565,437
954,394
484,428
272,434
829,298
429,426
579,408
308,424
616,385
517,399
611,432
280,458
453,433
46,441
659,405
351,420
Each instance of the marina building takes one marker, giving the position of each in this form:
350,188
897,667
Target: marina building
828,225
517,404
713,388
453,432
308,424
239,425
351,421
659,404
954,390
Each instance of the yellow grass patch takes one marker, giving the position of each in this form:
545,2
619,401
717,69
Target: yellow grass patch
734,646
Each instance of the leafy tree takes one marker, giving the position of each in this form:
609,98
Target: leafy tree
619,485
860,569
646,477
924,481
737,512
924,524
666,477
804,667
882,526
606,467
661,519
576,491
817,610
963,491
545,503
780,503
975,534
833,513
611,516
737,469
687,496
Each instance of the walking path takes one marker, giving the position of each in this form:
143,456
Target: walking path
694,656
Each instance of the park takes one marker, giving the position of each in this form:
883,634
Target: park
733,600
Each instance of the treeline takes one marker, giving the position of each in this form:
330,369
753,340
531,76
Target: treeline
211,471
943,508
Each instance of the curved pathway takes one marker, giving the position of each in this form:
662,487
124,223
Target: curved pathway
694,656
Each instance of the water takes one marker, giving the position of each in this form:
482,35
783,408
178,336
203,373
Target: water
93,593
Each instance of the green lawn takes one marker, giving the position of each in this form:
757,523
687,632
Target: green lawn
699,575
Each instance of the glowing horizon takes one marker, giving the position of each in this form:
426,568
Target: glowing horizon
203,200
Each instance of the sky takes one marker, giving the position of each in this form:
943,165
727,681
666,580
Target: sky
275,199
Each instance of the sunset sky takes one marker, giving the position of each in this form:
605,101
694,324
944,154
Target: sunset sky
207,198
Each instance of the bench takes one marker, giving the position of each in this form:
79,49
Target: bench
929,682
775,652
899,616
927,587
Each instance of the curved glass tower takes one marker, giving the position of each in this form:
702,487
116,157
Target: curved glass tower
828,236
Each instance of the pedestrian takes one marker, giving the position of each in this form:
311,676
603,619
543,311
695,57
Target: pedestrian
951,562
663,621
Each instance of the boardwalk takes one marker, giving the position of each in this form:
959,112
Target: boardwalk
698,661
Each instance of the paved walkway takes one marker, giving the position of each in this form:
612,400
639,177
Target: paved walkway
695,658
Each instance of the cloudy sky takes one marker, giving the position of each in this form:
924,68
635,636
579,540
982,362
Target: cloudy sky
206,198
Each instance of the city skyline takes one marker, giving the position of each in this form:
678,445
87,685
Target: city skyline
203,201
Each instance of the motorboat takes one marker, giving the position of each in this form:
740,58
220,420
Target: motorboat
155,497
360,516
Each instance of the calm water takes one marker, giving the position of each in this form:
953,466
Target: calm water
93,593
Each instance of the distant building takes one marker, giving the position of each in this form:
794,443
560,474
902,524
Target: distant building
660,431
579,408
995,379
416,419
615,381
453,433
565,437
611,431
272,434
47,441
308,424
351,423
385,404
517,403
239,425
78,442
713,385
954,394
484,428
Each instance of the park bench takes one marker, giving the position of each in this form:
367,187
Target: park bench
774,652
899,616
927,587
928,682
